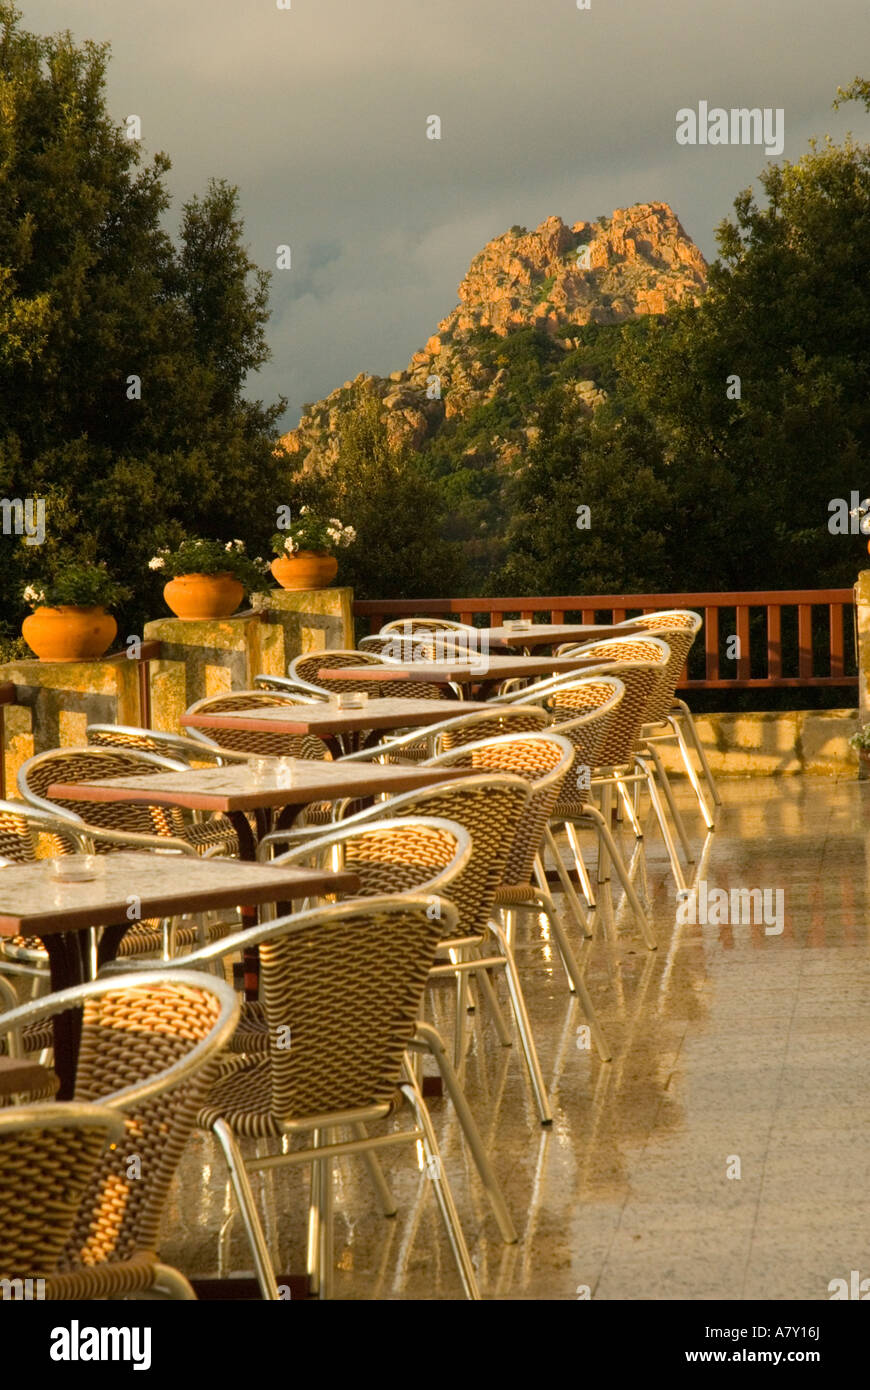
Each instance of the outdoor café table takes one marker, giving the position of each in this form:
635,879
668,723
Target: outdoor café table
282,785
343,730
34,901
552,634
482,675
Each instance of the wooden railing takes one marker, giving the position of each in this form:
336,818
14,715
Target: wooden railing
786,637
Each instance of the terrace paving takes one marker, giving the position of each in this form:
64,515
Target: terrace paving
726,1042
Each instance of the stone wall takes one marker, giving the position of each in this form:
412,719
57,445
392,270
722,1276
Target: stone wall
57,700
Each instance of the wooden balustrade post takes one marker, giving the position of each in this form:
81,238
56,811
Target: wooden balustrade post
862,627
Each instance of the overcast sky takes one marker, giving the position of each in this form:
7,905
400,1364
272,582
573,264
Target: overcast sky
319,114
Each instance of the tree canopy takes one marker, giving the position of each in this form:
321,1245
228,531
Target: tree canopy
124,356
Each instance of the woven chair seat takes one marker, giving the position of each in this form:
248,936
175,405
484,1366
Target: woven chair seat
217,831
242,1096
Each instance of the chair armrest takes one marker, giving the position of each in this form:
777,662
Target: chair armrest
130,839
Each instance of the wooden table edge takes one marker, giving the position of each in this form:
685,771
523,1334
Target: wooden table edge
171,905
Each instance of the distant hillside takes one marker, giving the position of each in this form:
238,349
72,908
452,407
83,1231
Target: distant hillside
553,283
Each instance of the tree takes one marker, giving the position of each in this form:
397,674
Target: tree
787,315
124,357
398,514
609,463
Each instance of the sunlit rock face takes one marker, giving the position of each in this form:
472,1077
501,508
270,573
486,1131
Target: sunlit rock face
557,278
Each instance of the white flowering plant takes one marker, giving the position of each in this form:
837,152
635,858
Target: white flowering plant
196,556
76,586
313,532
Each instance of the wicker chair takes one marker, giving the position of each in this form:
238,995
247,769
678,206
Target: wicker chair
647,700
412,856
490,808
640,664
121,824
126,825
56,1150
190,751
406,626
288,687
599,697
149,1048
450,733
348,982
544,760
668,623
304,669
420,647
254,742
21,827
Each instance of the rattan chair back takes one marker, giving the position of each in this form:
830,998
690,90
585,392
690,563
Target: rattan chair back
489,807
452,733
404,855
544,761
599,697
188,750
22,826
150,1044
679,628
640,664
408,626
342,988
49,1154
259,743
97,764
304,671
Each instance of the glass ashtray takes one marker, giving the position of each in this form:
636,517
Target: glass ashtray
76,868
352,699
517,625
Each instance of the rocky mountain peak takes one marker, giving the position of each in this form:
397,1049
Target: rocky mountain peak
556,278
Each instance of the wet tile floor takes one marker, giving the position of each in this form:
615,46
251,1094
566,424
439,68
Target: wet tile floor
734,1052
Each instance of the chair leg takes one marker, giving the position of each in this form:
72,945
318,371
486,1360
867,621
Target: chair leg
582,871
438,1178
312,1264
488,991
630,808
655,799
699,749
244,1196
692,774
565,879
460,1024
622,874
668,790
326,1259
428,1037
573,967
524,1027
574,908
376,1173
606,811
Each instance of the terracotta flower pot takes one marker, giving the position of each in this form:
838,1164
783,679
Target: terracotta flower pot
307,569
193,596
68,633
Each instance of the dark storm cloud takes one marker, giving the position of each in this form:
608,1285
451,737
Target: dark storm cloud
319,113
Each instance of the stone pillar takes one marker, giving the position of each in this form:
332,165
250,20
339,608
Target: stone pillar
56,700
208,657
200,658
312,619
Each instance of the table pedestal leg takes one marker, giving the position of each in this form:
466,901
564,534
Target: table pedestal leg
67,969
